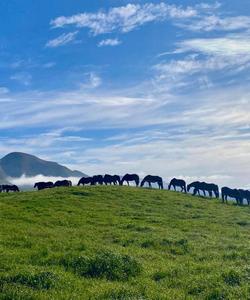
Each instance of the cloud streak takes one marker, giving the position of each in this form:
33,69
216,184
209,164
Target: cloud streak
124,18
62,40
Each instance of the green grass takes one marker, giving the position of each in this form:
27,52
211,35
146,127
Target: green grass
122,243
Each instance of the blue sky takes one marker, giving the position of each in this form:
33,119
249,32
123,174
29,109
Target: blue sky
158,87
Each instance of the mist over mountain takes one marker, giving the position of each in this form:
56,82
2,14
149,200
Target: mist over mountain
17,164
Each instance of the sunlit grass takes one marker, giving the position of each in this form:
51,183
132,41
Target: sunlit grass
122,243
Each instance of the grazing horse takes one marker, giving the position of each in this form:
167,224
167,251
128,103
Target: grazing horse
152,179
112,179
59,183
117,179
196,185
7,188
43,185
178,182
233,193
211,188
97,179
85,180
245,195
130,177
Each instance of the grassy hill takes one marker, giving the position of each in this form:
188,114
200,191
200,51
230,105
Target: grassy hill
122,243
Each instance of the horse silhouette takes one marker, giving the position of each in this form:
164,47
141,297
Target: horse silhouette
233,193
65,182
210,188
8,188
43,185
245,194
97,179
152,179
111,179
196,185
130,177
85,180
178,183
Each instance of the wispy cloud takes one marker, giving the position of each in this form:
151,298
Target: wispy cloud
218,23
4,90
24,78
124,18
231,45
109,42
62,40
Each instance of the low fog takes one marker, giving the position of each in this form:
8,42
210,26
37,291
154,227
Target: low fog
25,182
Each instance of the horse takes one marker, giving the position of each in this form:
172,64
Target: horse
152,179
111,179
196,185
130,177
178,182
117,179
205,187
43,185
233,193
211,188
60,183
7,188
245,195
85,180
97,179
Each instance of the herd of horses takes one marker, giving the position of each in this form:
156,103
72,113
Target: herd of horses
197,187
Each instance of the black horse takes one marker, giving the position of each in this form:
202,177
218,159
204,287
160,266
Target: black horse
111,179
178,183
233,193
85,180
130,177
152,179
65,182
43,185
196,185
97,179
245,195
8,188
210,188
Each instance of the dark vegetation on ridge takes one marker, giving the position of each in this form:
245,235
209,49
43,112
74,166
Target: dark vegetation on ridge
117,242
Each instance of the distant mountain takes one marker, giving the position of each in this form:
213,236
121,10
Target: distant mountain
17,164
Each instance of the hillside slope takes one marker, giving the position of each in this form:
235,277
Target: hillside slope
122,243
16,164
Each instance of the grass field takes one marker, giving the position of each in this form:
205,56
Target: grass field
122,243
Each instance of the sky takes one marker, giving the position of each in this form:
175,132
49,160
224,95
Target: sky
147,87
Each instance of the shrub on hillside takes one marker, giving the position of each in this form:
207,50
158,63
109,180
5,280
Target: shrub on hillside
105,265
42,280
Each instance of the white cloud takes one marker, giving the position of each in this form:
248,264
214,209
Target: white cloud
232,45
62,40
109,42
92,81
124,18
28,181
214,22
23,78
4,90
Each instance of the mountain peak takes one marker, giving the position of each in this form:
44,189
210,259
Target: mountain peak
16,164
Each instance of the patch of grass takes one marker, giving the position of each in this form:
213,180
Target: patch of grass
232,278
104,265
42,280
98,242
